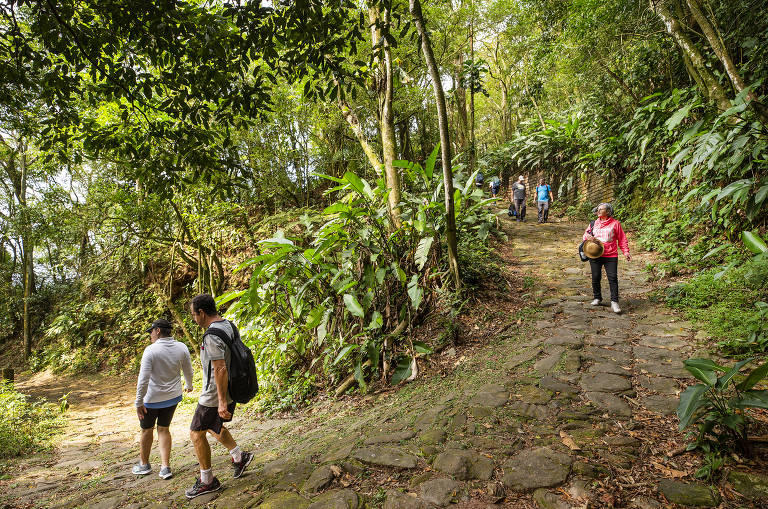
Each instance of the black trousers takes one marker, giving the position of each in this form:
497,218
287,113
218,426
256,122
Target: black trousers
611,271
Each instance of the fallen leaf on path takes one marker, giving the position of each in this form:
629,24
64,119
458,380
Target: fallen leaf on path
568,441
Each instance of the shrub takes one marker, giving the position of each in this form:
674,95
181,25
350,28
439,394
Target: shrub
25,426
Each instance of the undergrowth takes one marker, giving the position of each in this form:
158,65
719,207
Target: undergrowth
727,305
27,426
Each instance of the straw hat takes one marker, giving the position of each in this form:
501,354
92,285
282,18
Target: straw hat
593,248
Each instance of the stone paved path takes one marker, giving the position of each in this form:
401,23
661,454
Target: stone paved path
572,407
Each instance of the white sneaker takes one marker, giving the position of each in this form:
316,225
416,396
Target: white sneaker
615,307
595,302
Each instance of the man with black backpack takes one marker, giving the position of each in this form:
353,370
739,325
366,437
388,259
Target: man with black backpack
216,404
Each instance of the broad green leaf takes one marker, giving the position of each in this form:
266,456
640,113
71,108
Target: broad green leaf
355,182
690,401
421,347
422,252
752,399
705,364
678,158
678,117
372,350
402,370
722,382
359,376
344,352
761,195
336,208
757,375
415,292
714,251
429,167
377,321
753,242
707,376
353,306
733,187
733,421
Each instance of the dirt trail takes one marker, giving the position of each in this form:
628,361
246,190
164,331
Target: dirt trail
570,406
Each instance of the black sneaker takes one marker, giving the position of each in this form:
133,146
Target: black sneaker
239,467
199,488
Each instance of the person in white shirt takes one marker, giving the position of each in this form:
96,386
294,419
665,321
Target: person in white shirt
158,391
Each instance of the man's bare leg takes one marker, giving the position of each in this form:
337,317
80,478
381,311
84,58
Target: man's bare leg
224,438
202,449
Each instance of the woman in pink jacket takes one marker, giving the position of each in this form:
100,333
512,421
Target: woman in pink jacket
609,232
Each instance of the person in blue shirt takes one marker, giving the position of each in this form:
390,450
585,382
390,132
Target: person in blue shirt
543,200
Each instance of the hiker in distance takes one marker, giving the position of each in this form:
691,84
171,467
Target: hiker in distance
518,191
603,239
494,185
158,391
543,200
215,406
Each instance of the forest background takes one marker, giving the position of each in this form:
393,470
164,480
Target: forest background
312,164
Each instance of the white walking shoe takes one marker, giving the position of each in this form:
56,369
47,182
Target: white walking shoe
615,307
595,302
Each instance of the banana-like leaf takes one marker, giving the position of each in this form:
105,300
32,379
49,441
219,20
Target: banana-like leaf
757,374
752,399
705,364
690,401
722,382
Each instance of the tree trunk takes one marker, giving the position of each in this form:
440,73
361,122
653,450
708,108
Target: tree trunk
712,88
388,127
445,142
712,34
28,251
354,124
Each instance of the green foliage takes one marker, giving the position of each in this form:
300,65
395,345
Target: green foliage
324,305
26,426
719,406
731,302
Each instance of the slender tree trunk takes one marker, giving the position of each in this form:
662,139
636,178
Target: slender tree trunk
27,248
472,148
712,88
445,142
354,124
388,126
712,33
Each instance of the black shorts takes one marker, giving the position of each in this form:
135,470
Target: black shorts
163,417
208,418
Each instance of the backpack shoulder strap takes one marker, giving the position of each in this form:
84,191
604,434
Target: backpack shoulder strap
215,331
591,227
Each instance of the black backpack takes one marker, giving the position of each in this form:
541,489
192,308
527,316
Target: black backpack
241,371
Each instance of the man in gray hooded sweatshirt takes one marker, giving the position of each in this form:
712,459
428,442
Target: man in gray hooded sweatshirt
158,391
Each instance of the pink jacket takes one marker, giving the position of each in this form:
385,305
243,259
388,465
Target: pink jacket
611,234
